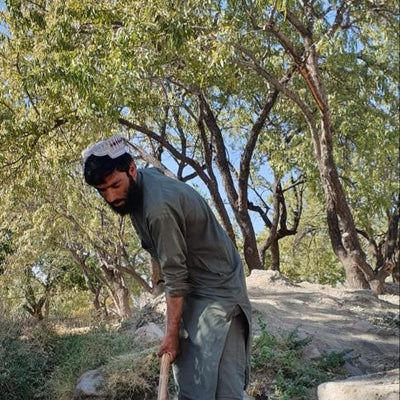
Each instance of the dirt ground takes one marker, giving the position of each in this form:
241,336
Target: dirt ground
337,319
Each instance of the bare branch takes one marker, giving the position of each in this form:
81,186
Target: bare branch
149,133
253,64
151,159
250,146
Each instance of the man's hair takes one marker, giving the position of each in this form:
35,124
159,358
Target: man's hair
98,168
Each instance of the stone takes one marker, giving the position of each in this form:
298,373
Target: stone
89,385
264,278
311,353
363,364
352,369
247,397
363,326
380,386
150,332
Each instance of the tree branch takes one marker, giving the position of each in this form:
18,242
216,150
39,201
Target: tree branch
149,133
247,153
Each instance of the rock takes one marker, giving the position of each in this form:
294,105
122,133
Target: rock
262,278
363,364
381,386
150,332
154,310
90,385
311,353
247,397
352,370
364,326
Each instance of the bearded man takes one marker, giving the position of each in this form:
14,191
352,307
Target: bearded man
207,333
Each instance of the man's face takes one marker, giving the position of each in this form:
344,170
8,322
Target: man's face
121,192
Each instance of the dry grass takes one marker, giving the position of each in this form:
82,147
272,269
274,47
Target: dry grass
133,376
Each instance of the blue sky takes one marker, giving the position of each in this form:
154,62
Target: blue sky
3,29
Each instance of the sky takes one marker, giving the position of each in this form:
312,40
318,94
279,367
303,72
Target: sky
3,29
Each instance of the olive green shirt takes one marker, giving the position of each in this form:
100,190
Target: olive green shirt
198,261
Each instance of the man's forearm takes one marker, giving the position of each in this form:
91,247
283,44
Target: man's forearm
170,343
174,314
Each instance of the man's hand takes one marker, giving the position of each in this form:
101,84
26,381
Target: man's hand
170,343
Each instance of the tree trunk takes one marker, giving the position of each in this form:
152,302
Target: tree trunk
396,268
238,204
35,312
123,300
385,253
118,292
345,245
278,226
342,229
250,248
35,308
121,293
275,256
391,248
96,302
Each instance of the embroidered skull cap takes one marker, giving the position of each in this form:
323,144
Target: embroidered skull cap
113,146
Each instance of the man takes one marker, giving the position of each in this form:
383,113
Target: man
208,312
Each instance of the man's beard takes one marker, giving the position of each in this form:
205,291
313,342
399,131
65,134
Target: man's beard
132,200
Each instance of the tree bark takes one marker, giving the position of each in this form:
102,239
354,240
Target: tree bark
339,216
275,256
386,252
250,249
118,291
212,183
122,295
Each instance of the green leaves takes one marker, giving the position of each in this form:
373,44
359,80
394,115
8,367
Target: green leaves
70,69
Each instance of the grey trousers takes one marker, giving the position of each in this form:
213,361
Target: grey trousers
231,375
232,367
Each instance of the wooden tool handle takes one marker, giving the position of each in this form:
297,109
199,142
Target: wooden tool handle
164,377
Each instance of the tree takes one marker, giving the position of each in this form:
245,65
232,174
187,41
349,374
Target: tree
194,102
37,299
204,81
302,33
6,248
61,219
307,255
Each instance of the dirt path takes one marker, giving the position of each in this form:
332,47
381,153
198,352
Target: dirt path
336,319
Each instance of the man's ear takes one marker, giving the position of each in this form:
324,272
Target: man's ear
132,170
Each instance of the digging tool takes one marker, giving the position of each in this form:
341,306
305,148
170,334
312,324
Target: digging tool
164,377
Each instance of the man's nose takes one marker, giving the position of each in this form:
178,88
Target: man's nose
110,196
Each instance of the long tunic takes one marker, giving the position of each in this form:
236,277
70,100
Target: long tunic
200,263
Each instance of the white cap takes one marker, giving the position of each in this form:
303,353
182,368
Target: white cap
114,147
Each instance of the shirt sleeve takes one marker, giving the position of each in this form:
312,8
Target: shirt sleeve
167,230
